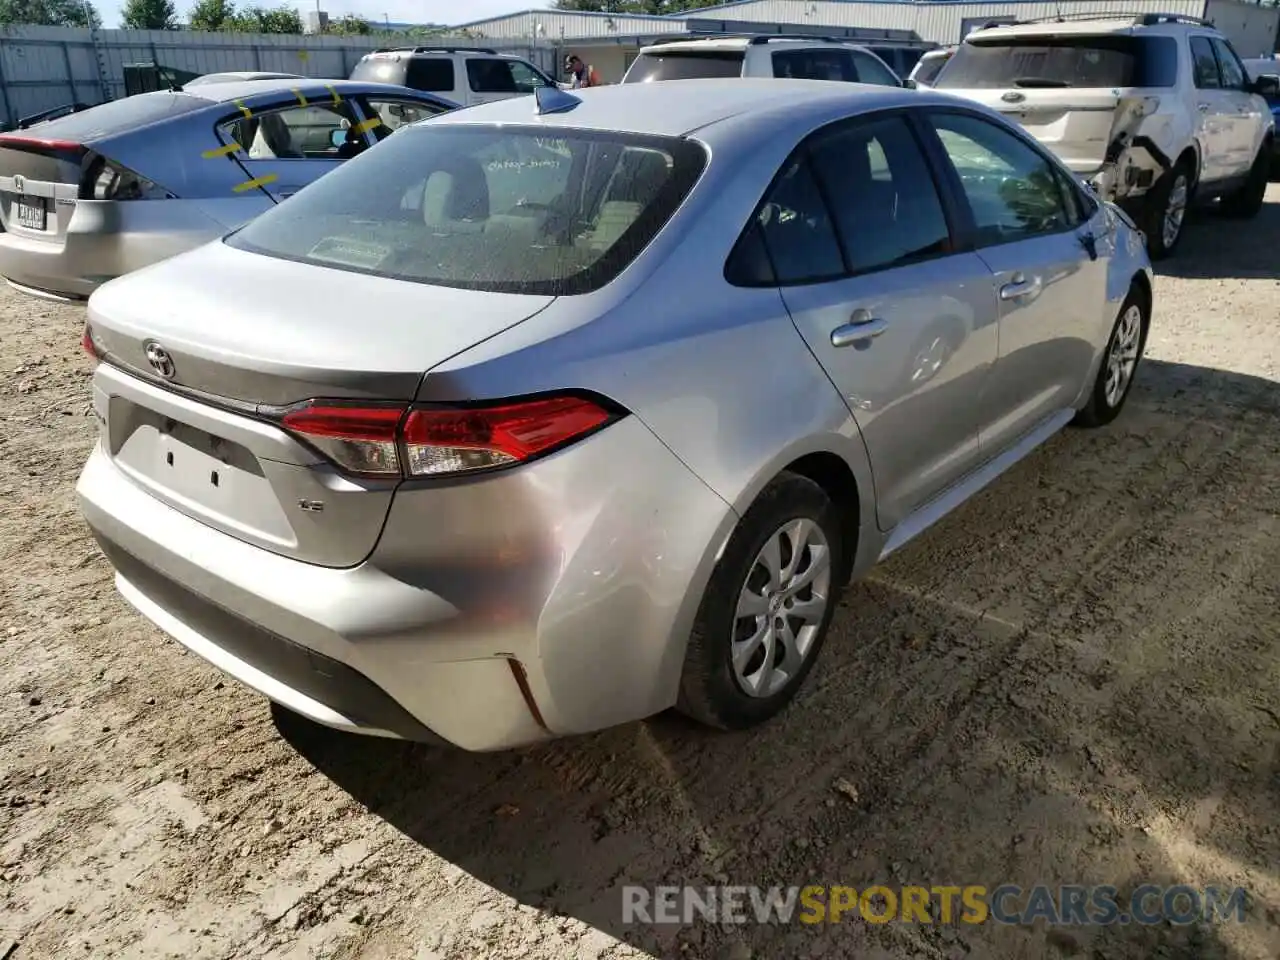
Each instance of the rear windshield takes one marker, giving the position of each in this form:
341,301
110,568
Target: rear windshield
1092,61
685,65
117,116
429,74
507,209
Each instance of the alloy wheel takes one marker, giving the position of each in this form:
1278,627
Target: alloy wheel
1123,356
781,608
1175,211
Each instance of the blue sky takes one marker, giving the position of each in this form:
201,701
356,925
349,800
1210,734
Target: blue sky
398,11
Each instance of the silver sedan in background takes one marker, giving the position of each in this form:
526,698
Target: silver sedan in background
556,412
97,194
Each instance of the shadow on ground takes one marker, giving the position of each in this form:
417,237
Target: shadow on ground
1070,681
1215,247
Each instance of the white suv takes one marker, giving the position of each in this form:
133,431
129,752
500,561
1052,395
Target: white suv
1156,111
465,75
799,58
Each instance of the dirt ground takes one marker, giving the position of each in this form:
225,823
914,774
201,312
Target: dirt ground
1075,679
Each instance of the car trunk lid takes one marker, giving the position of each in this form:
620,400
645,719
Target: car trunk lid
39,183
213,365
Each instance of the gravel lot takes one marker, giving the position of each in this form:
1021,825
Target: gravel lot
1076,679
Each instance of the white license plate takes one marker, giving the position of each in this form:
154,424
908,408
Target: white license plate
31,214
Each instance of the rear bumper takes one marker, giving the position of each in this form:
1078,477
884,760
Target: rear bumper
484,617
103,242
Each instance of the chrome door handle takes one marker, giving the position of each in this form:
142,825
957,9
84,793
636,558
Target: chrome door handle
1019,287
860,328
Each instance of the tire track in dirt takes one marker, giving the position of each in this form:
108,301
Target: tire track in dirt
1072,679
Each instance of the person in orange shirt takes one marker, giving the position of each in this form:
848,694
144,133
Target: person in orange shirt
581,74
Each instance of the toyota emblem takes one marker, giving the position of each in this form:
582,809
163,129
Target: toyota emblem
160,360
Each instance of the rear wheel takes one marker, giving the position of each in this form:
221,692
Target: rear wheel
1119,362
767,607
1247,201
1166,210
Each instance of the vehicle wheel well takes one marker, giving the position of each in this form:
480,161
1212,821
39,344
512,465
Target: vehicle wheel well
1190,158
831,473
1143,286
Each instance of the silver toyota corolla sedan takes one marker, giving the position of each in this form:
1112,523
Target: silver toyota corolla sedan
94,195
552,414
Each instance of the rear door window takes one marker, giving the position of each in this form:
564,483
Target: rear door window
1052,62
685,65
794,229
886,206
505,209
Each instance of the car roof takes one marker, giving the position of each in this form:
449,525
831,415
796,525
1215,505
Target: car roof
1069,27
737,44
230,90
398,52
679,107
1119,24
224,76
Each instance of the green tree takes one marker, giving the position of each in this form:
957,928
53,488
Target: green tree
149,15
258,20
212,16
49,13
350,24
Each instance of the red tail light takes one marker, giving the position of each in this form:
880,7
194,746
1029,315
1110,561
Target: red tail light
389,441
454,441
358,439
87,344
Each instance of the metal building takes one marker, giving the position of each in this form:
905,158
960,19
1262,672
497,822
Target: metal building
1251,28
610,41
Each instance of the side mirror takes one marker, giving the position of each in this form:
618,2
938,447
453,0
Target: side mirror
909,83
1268,85
337,138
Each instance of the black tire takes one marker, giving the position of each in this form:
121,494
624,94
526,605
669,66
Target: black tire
709,689
1246,202
1100,410
1157,204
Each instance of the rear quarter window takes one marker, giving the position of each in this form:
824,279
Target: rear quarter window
505,209
431,74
